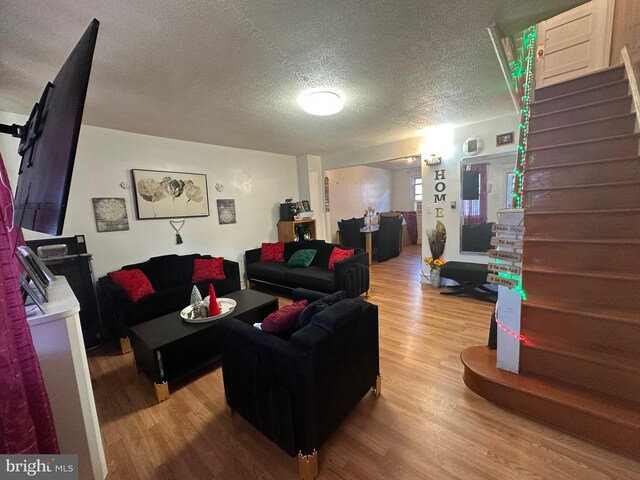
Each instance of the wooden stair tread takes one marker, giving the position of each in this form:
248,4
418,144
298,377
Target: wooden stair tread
623,183
584,142
585,163
590,241
610,357
483,362
603,313
630,277
586,105
582,212
582,124
579,92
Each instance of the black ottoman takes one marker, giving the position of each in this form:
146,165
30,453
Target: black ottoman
471,278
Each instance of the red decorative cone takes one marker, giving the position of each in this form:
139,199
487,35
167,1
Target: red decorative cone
214,308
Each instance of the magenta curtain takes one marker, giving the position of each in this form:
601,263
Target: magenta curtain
475,211
412,225
26,423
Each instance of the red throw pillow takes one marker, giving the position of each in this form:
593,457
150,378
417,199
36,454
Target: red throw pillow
208,269
135,283
337,255
283,321
272,252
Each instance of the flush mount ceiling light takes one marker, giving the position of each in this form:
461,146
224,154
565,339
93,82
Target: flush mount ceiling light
321,101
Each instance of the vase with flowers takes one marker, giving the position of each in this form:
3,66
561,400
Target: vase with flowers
368,216
437,241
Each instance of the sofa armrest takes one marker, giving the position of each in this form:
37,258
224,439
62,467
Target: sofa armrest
266,380
299,294
345,363
252,256
352,274
114,305
232,272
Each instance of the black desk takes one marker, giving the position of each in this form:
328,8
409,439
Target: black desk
471,277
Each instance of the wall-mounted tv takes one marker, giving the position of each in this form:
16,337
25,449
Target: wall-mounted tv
48,142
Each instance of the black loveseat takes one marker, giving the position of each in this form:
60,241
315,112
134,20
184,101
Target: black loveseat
297,392
350,275
171,277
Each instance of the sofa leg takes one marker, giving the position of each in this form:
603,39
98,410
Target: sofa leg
308,465
377,390
125,345
162,391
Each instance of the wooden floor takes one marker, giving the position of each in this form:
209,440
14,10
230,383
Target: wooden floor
426,424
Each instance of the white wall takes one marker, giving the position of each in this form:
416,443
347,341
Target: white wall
311,185
486,131
402,189
258,181
352,190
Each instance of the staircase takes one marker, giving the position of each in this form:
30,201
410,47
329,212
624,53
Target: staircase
580,364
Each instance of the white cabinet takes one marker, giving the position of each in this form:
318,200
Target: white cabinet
58,341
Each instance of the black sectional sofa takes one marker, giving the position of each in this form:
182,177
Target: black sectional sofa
171,277
350,275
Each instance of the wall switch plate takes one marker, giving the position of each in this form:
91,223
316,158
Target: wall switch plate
453,204
428,209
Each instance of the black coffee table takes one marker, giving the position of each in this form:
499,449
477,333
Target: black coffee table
168,349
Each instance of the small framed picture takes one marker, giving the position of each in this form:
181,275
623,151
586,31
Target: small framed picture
38,265
504,139
306,205
32,275
29,292
300,207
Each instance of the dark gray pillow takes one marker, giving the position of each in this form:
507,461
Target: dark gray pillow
307,314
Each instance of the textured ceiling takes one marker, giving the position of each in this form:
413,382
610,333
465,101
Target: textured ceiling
227,72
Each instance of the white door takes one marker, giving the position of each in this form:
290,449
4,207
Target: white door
574,43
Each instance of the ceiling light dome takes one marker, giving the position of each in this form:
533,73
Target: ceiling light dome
321,101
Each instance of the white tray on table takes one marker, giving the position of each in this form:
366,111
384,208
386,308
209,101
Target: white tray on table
227,305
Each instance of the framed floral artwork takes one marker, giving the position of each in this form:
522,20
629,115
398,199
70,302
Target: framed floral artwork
161,194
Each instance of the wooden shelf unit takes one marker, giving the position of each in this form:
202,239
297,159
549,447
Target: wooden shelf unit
287,229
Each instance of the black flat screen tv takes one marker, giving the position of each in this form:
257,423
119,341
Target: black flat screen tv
48,142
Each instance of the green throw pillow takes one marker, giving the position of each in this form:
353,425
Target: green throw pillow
302,258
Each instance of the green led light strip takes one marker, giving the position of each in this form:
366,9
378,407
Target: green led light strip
529,40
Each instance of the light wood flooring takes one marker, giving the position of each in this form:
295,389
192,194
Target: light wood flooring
426,424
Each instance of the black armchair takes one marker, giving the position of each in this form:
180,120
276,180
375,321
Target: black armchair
389,238
297,392
350,235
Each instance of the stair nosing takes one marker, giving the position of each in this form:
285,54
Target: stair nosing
590,211
623,183
614,99
586,122
581,142
615,241
590,273
586,313
585,163
583,357
578,92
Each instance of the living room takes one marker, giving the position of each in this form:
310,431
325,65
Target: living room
426,423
